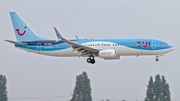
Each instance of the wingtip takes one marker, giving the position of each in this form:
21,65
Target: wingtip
12,12
5,40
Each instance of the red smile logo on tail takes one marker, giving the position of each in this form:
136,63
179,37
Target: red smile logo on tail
21,34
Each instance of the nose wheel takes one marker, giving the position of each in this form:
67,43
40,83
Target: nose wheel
91,59
157,59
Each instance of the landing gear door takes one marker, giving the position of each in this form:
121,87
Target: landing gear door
154,45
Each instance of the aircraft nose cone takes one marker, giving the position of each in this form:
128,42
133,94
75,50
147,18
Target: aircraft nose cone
172,48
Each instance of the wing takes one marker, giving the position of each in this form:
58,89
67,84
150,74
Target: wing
83,50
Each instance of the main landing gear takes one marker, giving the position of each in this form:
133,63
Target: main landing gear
91,59
157,59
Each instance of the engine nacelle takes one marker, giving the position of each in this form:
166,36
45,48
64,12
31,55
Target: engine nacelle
107,54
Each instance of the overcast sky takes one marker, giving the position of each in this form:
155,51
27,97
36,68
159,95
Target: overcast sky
31,75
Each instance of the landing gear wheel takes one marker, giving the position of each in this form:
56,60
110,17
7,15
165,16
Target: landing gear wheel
89,60
156,59
92,61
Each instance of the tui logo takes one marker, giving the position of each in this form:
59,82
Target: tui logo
21,34
144,44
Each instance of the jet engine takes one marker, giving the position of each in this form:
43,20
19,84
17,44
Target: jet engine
108,54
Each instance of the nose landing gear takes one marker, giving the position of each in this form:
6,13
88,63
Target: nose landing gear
91,59
157,59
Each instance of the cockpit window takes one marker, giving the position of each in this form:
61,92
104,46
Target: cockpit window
163,43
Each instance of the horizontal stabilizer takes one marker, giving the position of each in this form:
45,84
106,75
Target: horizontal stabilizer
17,43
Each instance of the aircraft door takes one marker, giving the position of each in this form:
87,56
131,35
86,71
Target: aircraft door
154,45
39,47
100,46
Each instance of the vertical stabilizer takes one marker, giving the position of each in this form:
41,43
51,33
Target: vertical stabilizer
22,31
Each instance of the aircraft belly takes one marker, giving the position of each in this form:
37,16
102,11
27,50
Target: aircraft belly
131,51
120,51
61,53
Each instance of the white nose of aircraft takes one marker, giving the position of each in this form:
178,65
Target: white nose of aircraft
171,49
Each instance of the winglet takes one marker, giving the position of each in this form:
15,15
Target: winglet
58,34
77,37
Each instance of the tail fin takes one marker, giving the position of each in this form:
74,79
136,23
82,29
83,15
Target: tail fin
22,31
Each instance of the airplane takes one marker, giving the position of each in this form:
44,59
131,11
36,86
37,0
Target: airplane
108,49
